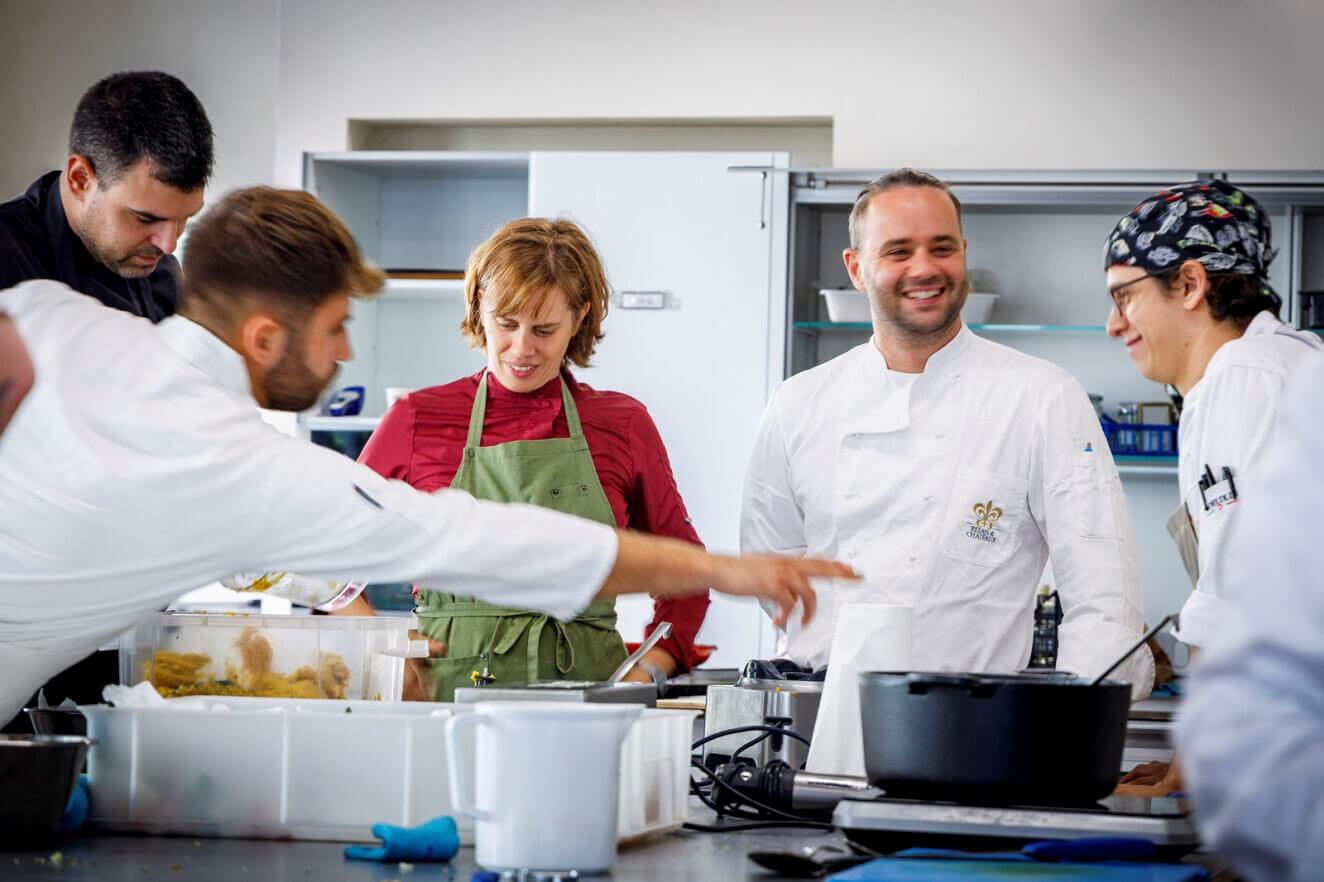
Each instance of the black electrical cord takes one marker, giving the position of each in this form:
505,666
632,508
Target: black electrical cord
787,818
756,727
753,742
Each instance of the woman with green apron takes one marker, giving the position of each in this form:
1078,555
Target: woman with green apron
524,430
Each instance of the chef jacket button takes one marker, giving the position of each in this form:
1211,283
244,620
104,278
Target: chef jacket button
914,557
940,434
469,453
556,491
928,496
583,488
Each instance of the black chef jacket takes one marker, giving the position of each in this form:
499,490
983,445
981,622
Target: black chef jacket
37,243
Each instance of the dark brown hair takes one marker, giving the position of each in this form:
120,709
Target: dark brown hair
280,246
524,262
902,177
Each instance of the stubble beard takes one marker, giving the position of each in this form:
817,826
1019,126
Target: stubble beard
291,385
888,312
120,266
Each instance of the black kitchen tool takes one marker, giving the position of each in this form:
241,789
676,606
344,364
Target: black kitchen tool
806,863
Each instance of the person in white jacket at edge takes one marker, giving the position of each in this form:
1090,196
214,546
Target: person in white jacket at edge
1187,270
138,467
945,468
1251,733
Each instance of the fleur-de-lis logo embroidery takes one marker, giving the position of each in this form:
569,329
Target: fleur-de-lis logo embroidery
986,514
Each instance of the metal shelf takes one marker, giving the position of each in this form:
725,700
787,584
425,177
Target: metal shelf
341,424
421,289
991,328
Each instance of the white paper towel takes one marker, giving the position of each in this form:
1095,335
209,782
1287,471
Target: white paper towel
868,637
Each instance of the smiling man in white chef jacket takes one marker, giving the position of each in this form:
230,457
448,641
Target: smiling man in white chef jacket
138,466
945,468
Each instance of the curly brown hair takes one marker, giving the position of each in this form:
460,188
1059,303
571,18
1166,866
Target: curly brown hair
523,263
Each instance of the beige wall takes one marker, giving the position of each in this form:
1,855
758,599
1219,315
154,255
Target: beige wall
52,50
938,83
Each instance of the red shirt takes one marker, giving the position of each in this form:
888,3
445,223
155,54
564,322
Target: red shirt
421,441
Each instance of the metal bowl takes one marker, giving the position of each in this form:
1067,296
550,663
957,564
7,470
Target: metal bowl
37,774
56,720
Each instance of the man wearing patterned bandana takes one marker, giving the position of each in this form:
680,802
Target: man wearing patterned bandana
1187,271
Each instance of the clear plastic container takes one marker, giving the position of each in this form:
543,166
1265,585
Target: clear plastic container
322,657
301,769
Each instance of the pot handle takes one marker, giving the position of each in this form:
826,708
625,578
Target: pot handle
459,770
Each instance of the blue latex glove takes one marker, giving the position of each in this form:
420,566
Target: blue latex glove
75,811
434,840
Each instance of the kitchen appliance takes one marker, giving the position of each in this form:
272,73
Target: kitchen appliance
763,696
886,825
542,784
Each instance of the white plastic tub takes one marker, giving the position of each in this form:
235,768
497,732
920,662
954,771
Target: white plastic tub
325,769
345,657
846,305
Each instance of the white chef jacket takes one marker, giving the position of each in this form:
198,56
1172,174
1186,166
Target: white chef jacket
885,471
1251,732
1230,419
138,468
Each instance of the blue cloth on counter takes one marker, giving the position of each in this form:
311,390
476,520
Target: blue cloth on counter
434,840
75,810
1014,866
1171,689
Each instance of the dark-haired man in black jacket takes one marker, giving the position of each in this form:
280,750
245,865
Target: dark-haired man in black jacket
140,155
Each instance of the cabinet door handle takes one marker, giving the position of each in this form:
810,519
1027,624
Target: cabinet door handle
763,200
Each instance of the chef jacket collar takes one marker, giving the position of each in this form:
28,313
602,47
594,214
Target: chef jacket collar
208,353
938,361
885,403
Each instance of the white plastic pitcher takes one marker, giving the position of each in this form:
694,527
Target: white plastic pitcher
544,782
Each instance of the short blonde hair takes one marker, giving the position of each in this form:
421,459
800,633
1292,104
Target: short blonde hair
521,263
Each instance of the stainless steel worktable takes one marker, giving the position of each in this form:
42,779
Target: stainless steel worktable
681,856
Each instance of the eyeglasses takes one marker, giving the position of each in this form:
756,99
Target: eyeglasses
1121,297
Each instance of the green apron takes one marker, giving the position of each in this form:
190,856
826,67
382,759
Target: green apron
520,645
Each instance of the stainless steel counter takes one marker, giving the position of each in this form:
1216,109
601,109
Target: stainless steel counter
679,856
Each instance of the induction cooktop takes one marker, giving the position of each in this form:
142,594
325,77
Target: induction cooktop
888,825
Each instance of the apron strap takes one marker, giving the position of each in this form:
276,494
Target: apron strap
476,414
571,412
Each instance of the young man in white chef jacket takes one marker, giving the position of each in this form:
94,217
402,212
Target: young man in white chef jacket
1187,270
1252,731
139,468
945,468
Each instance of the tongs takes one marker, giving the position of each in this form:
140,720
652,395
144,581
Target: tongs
662,631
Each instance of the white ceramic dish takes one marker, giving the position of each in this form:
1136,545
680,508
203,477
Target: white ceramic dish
846,305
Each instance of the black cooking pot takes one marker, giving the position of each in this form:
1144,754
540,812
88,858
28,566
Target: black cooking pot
992,739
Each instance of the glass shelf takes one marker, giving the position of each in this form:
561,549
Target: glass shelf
991,328
1146,465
